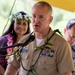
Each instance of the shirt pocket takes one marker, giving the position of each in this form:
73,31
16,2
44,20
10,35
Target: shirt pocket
47,60
24,56
46,63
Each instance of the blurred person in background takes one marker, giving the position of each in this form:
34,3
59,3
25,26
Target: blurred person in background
19,27
69,35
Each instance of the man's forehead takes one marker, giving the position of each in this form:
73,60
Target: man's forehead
39,10
72,31
39,13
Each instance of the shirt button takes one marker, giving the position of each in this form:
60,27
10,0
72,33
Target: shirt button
44,68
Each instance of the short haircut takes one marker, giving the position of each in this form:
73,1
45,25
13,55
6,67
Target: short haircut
43,3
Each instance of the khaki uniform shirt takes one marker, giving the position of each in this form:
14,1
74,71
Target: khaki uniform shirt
54,61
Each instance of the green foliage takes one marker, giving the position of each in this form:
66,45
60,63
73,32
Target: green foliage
60,17
46,46
6,6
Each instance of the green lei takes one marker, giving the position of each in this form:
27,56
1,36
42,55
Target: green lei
45,46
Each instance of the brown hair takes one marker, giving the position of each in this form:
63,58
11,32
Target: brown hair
11,28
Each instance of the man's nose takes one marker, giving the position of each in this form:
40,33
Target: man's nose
37,19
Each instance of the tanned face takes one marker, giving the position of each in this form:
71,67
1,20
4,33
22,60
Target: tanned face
20,27
70,35
41,18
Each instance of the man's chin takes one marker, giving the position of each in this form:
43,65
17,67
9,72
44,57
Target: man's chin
36,30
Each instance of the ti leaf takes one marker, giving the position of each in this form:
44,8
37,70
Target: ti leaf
38,47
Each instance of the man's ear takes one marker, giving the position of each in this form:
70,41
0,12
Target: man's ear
51,18
65,30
